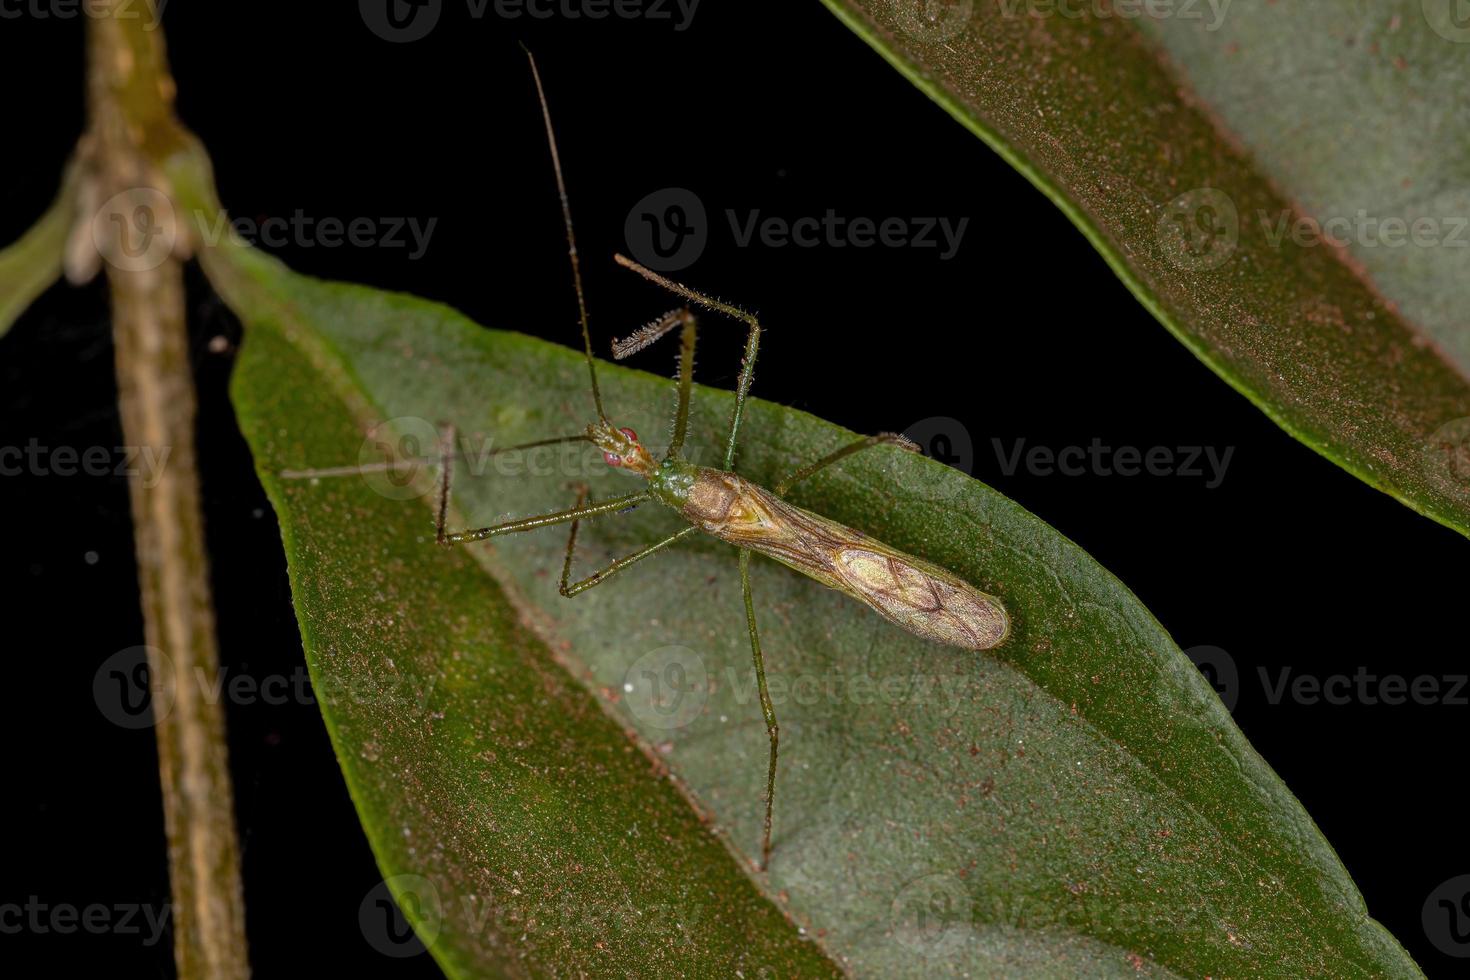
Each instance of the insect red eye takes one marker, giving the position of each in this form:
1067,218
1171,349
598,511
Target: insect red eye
612,459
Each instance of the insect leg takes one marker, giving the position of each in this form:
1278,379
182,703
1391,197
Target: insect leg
447,455
752,341
545,520
773,730
648,334
686,383
881,439
570,588
645,336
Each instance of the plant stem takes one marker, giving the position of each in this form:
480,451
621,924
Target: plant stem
131,134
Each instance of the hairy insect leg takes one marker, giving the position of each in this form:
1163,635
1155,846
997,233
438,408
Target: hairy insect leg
647,335
546,520
752,342
686,383
773,730
881,439
569,588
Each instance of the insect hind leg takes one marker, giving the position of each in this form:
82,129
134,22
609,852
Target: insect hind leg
881,439
773,730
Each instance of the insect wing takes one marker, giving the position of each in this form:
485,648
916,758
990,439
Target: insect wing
922,600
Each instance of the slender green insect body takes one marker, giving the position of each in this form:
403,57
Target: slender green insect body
911,593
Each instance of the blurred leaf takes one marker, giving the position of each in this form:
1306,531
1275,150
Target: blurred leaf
33,263
1189,168
1079,803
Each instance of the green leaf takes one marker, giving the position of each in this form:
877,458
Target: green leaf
1186,147
1080,802
33,262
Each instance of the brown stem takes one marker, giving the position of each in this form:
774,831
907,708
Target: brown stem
127,225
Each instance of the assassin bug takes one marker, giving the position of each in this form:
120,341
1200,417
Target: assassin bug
909,592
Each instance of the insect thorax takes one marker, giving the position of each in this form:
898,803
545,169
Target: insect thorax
731,507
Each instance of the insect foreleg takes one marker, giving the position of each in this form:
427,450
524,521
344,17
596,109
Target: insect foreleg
686,383
447,455
773,730
602,575
545,520
881,439
752,341
569,588
651,333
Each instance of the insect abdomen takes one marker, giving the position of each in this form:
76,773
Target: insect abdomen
935,606
918,596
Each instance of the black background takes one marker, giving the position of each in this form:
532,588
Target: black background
1024,334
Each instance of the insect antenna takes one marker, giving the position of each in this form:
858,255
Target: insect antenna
566,215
